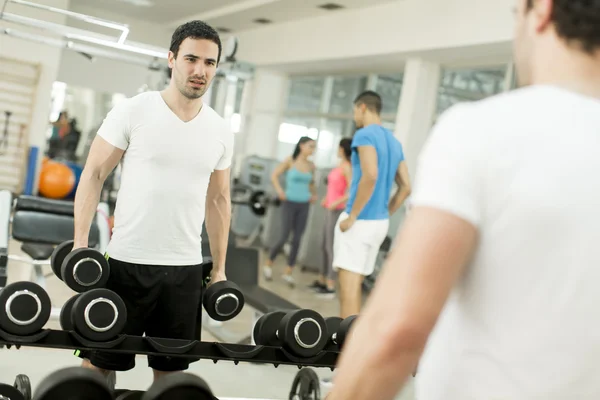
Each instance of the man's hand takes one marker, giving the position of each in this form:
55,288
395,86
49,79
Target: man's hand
217,276
347,223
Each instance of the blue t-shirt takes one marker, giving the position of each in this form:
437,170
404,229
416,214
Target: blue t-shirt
389,157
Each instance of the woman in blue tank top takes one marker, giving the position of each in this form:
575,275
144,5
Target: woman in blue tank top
299,192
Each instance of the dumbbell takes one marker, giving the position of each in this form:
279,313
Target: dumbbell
81,269
179,385
338,329
98,315
129,394
223,300
301,332
21,390
74,383
25,307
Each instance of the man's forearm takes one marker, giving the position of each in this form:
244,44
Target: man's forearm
218,219
364,191
393,356
85,206
398,199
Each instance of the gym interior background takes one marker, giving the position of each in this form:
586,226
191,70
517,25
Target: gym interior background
290,68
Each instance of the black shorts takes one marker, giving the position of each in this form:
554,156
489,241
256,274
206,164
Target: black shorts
161,301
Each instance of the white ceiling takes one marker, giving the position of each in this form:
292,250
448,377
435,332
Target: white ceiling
234,15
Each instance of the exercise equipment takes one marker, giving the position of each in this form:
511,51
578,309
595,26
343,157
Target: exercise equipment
26,308
341,334
74,383
10,392
301,332
98,315
257,200
306,386
223,301
4,140
23,385
56,180
81,269
333,324
180,386
130,395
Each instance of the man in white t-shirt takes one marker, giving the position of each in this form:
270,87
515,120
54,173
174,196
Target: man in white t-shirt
176,155
492,287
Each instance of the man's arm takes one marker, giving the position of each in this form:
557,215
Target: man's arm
389,336
368,166
218,217
102,159
403,181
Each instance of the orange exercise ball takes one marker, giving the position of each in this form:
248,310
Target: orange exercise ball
56,180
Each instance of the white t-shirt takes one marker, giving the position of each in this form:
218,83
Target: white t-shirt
523,321
165,173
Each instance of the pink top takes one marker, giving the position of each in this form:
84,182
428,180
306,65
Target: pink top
336,187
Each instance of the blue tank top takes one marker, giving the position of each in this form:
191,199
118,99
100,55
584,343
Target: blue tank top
297,185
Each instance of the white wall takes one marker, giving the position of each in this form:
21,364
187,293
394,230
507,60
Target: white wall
407,26
104,75
46,56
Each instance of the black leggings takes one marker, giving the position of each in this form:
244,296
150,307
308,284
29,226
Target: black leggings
294,216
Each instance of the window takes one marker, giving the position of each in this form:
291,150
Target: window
389,88
305,94
469,85
343,93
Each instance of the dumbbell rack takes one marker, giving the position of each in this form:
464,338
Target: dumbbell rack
193,349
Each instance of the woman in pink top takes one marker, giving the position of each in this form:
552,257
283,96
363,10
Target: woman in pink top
338,182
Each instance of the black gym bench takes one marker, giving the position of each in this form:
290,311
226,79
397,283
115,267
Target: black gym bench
39,224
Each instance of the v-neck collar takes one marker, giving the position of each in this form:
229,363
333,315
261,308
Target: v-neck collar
172,113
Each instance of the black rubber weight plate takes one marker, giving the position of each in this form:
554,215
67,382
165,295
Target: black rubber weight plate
28,311
333,324
87,272
267,334
256,330
223,301
66,323
9,392
58,255
131,395
74,383
23,385
180,386
101,315
303,333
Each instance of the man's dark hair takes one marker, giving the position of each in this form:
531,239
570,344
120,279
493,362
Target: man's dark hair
194,30
370,99
577,21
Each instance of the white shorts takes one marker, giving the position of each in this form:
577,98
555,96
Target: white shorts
356,249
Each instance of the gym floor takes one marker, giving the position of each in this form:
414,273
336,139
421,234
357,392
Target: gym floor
244,381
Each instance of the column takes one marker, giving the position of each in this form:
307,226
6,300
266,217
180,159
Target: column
416,110
262,109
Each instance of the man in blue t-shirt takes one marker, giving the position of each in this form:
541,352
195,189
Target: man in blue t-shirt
377,163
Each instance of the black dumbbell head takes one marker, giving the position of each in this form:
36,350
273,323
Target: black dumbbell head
181,386
342,332
23,385
258,203
85,269
131,395
66,312
333,324
58,256
10,392
303,333
74,383
99,315
265,330
223,301
25,308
